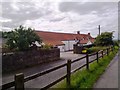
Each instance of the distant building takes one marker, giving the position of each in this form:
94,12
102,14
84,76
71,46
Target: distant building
65,41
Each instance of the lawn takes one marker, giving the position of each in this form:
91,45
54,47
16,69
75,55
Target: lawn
86,79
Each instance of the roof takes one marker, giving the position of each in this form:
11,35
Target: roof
54,43
55,38
86,41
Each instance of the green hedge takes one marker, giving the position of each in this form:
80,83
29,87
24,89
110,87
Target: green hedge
95,49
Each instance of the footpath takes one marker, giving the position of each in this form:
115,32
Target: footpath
110,77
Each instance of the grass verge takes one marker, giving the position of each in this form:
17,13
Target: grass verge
86,79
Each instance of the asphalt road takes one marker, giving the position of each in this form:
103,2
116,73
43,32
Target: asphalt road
50,77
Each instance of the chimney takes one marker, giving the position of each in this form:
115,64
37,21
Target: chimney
89,34
78,32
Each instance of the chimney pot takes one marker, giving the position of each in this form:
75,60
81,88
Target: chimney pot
78,32
89,34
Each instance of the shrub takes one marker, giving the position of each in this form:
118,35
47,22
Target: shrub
47,46
95,49
116,43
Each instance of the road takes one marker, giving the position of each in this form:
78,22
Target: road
48,78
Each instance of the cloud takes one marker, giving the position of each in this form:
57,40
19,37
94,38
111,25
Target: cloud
21,11
61,16
91,14
85,8
5,20
57,19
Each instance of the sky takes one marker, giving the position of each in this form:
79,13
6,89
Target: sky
60,16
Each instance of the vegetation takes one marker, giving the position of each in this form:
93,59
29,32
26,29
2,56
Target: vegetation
21,38
104,39
116,43
85,78
47,46
95,49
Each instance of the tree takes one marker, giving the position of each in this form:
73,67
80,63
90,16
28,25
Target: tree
21,38
104,39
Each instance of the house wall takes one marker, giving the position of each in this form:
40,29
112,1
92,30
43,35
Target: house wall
62,48
89,42
69,45
66,47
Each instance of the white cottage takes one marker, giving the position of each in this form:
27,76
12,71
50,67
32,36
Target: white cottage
65,41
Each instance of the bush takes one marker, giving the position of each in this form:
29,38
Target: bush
116,47
95,49
116,43
47,46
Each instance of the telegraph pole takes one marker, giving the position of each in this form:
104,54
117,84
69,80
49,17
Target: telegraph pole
99,29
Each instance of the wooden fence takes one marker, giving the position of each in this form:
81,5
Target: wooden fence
19,79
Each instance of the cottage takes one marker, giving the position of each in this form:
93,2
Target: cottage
65,41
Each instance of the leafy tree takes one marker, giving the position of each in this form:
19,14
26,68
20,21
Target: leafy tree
104,39
21,38
116,43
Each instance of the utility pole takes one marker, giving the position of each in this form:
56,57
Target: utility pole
99,29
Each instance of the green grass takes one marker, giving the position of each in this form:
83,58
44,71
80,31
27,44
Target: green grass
86,79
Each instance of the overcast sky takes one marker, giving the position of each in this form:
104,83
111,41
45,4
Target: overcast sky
60,16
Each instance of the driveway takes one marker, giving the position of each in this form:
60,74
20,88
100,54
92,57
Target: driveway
70,55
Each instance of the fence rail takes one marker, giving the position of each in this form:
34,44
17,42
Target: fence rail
19,79
78,68
53,83
8,85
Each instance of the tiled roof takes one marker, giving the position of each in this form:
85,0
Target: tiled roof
54,38
86,41
54,43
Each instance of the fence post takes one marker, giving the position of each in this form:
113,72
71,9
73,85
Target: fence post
68,71
19,81
97,56
102,53
87,61
107,51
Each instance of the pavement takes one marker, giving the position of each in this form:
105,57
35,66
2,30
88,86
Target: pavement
110,77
